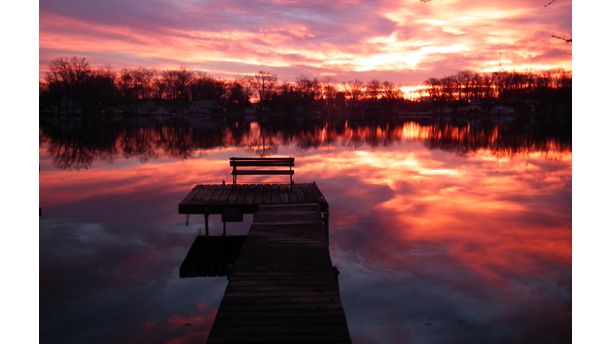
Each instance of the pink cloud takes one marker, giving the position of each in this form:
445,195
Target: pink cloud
404,42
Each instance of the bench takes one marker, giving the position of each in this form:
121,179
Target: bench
265,165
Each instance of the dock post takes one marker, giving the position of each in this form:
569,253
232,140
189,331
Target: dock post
224,224
206,222
326,223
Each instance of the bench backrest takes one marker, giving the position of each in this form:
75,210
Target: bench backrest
263,162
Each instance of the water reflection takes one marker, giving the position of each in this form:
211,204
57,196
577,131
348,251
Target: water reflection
78,144
443,232
211,256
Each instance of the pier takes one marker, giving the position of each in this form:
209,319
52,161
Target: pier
282,288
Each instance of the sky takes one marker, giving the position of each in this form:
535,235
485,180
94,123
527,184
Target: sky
405,42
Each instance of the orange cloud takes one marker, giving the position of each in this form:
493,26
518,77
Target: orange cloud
401,41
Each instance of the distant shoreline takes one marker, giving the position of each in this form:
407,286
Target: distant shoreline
371,114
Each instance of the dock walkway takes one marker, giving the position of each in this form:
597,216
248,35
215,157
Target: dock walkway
283,287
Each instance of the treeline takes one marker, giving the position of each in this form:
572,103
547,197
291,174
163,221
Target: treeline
506,86
77,144
72,85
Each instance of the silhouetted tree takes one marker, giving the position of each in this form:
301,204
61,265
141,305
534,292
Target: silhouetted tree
547,87
99,90
309,90
373,89
72,85
390,92
237,95
65,81
434,88
353,89
263,84
203,87
329,91
173,84
69,72
136,84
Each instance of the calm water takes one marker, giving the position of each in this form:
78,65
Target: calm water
446,233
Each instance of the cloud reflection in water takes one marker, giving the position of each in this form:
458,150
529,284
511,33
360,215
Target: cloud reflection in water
435,244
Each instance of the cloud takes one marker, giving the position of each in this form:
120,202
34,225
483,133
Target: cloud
402,41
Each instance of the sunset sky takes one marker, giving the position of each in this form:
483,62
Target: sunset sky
402,41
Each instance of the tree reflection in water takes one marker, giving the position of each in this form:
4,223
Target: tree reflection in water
77,144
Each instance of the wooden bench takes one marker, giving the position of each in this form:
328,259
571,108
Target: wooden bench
265,164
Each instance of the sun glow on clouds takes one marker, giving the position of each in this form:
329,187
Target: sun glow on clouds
401,41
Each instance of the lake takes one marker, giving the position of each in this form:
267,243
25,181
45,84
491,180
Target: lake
455,232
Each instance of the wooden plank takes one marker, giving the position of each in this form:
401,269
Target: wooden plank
263,172
212,198
293,195
187,199
234,193
299,192
262,159
258,194
311,197
250,194
205,195
282,288
279,163
267,195
244,190
222,198
284,194
276,194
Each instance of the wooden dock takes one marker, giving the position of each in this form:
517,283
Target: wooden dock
214,199
283,287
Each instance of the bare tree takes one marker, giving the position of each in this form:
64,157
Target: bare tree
136,84
203,86
69,72
353,89
174,84
237,94
329,91
263,84
434,88
390,92
310,89
373,89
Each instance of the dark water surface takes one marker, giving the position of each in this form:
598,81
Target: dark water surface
443,233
